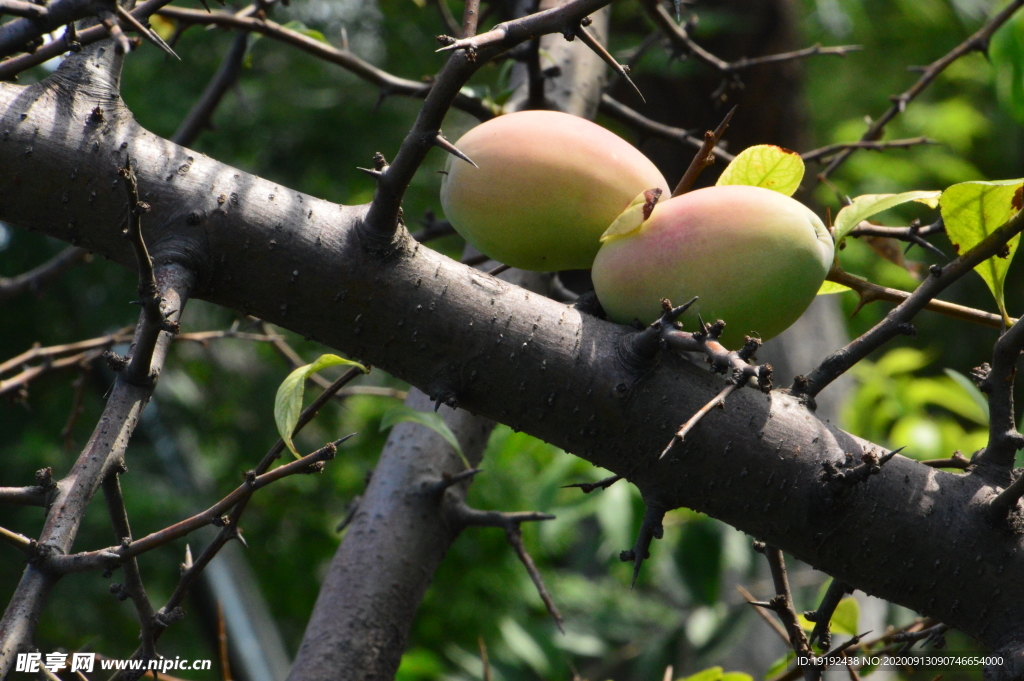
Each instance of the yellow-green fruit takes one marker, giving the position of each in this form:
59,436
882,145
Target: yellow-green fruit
754,256
547,186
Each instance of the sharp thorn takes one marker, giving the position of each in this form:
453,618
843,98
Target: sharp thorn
590,41
440,141
145,31
376,174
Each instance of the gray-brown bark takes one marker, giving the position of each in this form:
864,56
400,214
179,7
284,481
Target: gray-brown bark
395,541
911,534
377,578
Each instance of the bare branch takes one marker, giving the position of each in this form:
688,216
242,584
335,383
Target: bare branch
470,18
704,157
27,10
822,153
782,604
18,541
682,41
227,74
870,293
23,496
133,587
978,42
759,609
510,522
103,453
1003,438
823,615
35,279
651,528
615,109
898,320
388,84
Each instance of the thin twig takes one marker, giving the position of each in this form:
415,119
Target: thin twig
18,541
870,293
613,108
704,157
388,84
227,74
822,153
510,522
776,627
682,41
133,587
35,279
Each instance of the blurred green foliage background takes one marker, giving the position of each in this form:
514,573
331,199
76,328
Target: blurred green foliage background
308,125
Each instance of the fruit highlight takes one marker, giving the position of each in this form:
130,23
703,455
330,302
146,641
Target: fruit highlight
547,186
755,257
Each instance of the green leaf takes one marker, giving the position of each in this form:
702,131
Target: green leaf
972,211
768,166
699,553
779,665
737,676
830,287
972,390
300,27
709,674
428,419
288,402
865,206
846,617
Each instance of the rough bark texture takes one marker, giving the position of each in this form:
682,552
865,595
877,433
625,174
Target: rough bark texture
911,534
363,614
395,542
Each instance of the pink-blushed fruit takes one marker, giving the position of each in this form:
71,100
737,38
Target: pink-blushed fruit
754,256
547,186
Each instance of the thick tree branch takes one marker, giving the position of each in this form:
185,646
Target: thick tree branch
455,331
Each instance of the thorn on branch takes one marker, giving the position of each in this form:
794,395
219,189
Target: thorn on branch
439,141
594,44
447,480
109,21
511,522
957,460
588,487
823,615
735,363
848,475
144,30
650,528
